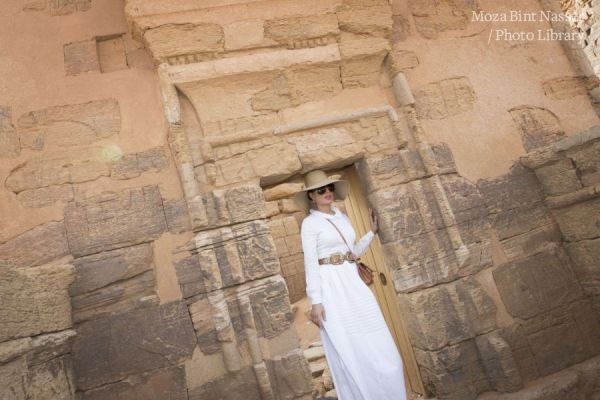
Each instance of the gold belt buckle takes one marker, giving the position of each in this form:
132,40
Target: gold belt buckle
336,258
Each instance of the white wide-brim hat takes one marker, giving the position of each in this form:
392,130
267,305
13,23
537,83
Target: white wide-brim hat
316,179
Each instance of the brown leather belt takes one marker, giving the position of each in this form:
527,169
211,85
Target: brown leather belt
337,258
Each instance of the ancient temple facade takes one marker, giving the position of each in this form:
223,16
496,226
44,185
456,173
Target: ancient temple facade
150,149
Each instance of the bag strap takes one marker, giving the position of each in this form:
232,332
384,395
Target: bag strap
344,239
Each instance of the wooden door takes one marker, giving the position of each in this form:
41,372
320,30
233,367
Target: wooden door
383,286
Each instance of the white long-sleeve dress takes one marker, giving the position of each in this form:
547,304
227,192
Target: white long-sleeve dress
359,348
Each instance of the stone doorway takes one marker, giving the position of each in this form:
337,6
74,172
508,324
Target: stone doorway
285,222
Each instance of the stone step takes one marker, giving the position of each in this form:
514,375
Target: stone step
317,368
314,353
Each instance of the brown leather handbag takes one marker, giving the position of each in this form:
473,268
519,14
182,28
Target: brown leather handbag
364,271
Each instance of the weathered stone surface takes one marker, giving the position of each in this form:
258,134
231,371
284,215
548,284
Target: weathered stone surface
386,170
537,284
586,258
304,31
37,246
561,386
59,7
274,163
282,191
402,60
34,300
45,196
407,210
587,160
372,21
498,362
133,165
170,40
58,168
109,349
225,257
442,99
113,281
579,221
362,61
538,126
448,314
177,215
464,199
563,336
454,372
432,18
114,219
81,57
234,205
519,188
565,87
559,177
522,352
238,385
290,375
244,34
70,125
9,140
156,385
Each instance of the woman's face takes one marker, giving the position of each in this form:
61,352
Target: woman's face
323,196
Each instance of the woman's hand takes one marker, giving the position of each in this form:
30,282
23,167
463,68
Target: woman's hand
317,314
373,221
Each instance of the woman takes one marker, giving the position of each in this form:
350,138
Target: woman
359,348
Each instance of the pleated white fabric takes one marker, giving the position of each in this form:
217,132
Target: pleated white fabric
359,348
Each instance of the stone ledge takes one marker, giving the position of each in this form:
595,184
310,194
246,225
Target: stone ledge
579,381
545,155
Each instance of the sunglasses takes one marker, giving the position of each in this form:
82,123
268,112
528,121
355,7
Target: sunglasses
323,189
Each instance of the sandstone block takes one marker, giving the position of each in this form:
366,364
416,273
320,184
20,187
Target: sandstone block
238,385
133,165
433,18
169,40
9,139
587,160
566,87
362,61
225,257
327,148
70,125
114,219
177,215
234,170
244,34
109,349
406,210
386,170
519,188
45,196
34,300
448,313
454,372
168,383
563,336
537,284
372,21
538,126
113,281
57,169
500,366
59,7
401,60
282,191
464,199
37,246
579,221
586,258
304,31
81,57
274,163
442,99
559,178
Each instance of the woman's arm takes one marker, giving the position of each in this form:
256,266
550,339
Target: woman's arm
309,234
